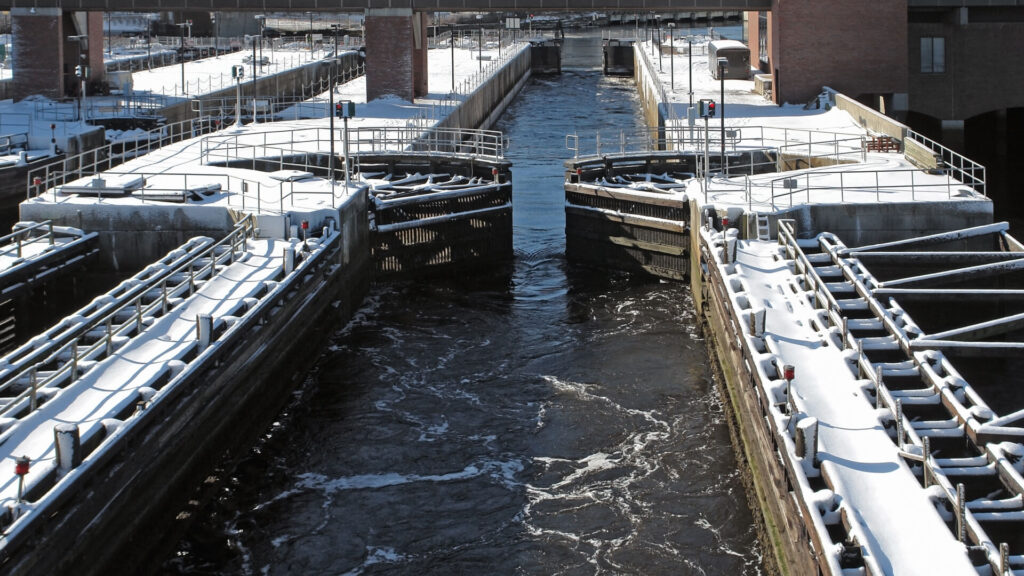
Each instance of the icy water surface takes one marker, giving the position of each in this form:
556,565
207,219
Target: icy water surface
545,421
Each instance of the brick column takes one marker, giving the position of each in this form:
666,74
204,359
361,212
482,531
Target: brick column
419,53
38,46
390,62
858,48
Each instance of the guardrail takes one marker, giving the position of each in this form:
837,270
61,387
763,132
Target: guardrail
860,181
813,146
97,330
274,107
232,148
966,170
106,157
24,235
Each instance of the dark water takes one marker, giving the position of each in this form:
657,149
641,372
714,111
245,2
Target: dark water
548,421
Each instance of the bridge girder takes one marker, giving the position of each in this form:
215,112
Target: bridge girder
415,5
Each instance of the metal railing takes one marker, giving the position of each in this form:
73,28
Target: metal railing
96,331
966,170
106,157
936,373
812,146
878,182
225,148
25,235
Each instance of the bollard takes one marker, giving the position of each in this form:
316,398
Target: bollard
899,424
21,466
961,513
289,259
807,439
926,453
68,440
788,374
204,330
878,387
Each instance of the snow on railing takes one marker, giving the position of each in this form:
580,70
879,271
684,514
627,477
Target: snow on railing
971,417
899,185
231,148
105,157
95,331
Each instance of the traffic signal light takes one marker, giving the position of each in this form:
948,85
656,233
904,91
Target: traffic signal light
346,109
707,108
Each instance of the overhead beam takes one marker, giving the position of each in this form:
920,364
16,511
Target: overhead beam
969,273
928,258
931,239
416,5
983,349
951,295
981,330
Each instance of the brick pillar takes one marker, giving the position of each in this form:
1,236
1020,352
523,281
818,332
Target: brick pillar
419,54
38,46
390,67
94,52
855,47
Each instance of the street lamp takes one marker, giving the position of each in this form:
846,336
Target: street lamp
261,18
181,52
689,51
330,100
657,19
310,14
672,51
723,66
238,73
453,58
81,71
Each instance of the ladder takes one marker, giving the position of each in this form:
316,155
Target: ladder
763,227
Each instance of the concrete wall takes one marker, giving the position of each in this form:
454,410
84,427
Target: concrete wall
486,103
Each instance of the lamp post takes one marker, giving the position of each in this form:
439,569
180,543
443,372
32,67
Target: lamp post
658,20
80,70
453,58
689,51
181,56
723,66
261,18
330,103
216,35
310,14
672,51
109,44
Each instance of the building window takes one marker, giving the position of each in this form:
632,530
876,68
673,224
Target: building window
933,55
762,37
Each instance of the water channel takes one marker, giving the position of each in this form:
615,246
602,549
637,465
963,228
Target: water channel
547,420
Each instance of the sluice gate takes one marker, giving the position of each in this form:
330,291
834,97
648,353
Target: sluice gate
433,213
630,215
929,380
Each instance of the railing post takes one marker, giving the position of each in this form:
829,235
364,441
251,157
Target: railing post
33,381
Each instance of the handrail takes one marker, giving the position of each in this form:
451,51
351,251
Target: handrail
790,184
20,234
222,147
106,157
967,171
66,351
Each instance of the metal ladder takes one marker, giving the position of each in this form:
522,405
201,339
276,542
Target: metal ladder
763,226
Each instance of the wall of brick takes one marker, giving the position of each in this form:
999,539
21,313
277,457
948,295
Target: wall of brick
980,75
856,47
38,47
389,54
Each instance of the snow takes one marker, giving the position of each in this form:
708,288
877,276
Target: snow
117,382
